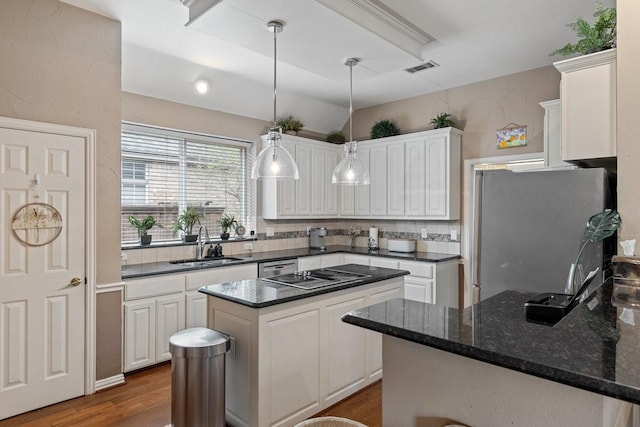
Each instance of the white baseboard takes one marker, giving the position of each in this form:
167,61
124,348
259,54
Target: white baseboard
109,382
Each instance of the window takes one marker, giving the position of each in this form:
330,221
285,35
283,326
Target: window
166,171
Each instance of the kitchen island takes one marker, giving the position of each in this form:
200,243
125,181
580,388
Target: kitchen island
440,361
291,355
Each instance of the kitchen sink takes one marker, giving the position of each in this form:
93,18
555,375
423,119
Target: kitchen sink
206,261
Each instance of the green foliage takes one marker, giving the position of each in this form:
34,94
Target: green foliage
186,220
599,227
442,120
600,36
290,123
336,138
383,128
227,222
144,225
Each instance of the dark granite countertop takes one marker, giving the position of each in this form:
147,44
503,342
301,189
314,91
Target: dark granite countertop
154,268
257,293
593,349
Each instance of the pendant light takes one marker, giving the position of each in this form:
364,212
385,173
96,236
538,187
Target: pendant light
274,161
351,170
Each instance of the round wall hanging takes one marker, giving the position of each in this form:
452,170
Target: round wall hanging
36,224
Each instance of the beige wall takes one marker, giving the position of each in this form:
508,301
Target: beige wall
108,334
60,64
478,109
628,95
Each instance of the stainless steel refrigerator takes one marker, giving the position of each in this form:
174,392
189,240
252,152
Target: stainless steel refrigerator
528,227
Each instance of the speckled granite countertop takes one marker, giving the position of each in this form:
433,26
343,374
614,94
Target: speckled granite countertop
596,350
257,293
149,269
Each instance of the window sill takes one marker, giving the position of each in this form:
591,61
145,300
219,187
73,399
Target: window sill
173,243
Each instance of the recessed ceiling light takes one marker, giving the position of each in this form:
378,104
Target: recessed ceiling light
201,86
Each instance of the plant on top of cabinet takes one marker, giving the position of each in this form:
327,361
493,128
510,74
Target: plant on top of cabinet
442,120
336,138
142,227
600,36
185,222
383,128
290,124
226,222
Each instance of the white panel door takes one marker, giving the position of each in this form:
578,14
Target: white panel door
416,175
374,339
361,192
41,313
303,196
287,187
169,320
139,334
437,169
317,185
331,190
378,187
196,309
395,180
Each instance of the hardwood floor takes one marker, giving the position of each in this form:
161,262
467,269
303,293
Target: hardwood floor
145,400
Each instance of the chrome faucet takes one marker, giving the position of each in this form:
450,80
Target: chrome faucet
200,246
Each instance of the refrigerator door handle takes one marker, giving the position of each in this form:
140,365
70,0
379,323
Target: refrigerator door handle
477,216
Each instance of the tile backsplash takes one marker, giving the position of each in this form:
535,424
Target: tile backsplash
293,235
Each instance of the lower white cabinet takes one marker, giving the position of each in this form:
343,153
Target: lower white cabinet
295,359
156,307
434,283
418,289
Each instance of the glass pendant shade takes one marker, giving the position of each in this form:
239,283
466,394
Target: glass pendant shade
351,170
274,161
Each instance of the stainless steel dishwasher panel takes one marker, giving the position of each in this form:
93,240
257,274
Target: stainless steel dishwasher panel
277,268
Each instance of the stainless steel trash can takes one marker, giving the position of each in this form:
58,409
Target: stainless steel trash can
197,377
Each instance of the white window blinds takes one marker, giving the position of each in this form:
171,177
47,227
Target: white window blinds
165,172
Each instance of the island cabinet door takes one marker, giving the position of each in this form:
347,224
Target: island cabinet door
374,339
291,357
344,352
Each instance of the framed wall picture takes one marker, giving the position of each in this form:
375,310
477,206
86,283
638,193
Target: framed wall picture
512,135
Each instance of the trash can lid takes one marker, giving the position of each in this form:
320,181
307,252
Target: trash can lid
198,342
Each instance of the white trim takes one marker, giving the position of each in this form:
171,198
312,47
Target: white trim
89,136
109,382
109,287
586,61
467,219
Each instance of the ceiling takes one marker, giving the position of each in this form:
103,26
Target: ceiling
229,45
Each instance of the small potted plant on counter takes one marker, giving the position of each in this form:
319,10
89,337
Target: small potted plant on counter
226,222
442,120
185,222
143,226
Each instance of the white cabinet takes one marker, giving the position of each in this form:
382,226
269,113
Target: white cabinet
435,283
552,138
588,99
356,259
415,164
378,187
320,261
295,359
354,199
310,196
395,177
378,261
139,334
156,307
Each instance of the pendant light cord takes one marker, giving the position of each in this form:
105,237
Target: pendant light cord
275,51
350,101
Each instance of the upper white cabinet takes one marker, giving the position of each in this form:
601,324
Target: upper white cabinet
553,133
312,195
414,176
588,102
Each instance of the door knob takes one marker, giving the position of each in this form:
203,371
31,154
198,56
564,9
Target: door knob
75,281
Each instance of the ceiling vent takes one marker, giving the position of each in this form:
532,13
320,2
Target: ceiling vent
425,66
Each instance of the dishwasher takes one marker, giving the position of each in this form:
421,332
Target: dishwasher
277,268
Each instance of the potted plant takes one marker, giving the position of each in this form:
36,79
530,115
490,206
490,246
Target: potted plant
336,138
592,38
143,226
226,222
185,222
383,128
290,124
442,120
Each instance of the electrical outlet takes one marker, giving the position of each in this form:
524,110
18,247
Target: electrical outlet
424,233
248,246
308,229
453,234
124,256
270,231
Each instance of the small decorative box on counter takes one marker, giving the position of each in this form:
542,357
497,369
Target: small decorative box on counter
626,281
